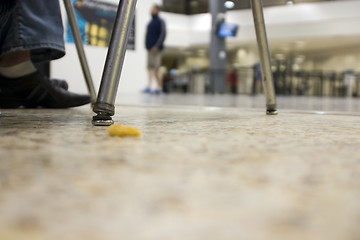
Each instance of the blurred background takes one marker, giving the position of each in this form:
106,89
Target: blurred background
315,49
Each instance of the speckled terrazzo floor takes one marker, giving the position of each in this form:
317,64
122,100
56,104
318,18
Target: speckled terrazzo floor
196,173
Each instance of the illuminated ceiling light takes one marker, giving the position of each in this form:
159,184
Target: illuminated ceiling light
229,4
290,3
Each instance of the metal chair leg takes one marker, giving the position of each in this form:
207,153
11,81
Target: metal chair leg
104,106
80,49
265,59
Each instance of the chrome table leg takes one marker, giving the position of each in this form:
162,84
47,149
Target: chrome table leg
265,59
104,106
80,49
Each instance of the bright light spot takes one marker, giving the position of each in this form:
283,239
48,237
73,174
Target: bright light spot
241,53
300,59
290,3
229,4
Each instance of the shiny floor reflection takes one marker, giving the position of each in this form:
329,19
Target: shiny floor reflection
300,103
196,173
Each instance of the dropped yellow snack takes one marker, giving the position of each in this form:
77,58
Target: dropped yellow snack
123,131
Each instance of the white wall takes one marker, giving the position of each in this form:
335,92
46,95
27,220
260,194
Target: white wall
179,33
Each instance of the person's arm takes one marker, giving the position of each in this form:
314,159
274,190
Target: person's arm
162,35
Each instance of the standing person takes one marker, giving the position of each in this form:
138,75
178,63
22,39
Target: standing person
232,80
155,37
257,78
31,32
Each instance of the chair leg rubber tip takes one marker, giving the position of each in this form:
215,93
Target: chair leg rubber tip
272,112
102,120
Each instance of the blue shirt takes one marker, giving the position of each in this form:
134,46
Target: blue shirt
155,33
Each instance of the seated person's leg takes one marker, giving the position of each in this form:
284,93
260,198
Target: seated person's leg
6,7
33,32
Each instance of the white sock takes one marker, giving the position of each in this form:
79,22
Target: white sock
19,70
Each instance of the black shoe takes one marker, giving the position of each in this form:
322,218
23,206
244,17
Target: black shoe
60,83
35,90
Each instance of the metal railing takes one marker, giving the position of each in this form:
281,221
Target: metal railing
300,83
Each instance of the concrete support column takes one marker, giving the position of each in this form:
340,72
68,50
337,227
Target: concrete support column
217,72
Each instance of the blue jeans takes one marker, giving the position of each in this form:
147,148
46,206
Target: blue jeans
34,25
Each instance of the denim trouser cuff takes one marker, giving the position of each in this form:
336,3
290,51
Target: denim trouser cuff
36,26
